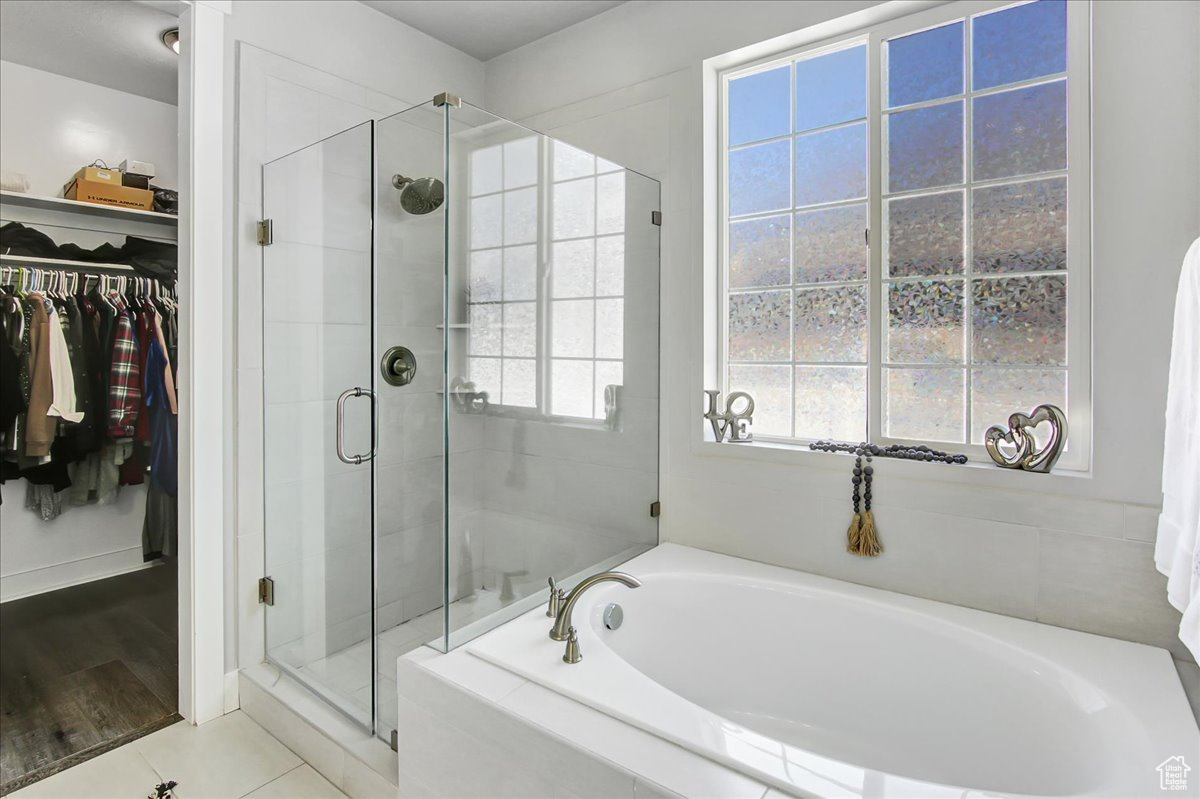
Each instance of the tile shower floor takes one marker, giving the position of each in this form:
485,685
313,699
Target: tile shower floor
346,675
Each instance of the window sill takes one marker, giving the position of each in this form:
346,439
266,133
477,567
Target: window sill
976,473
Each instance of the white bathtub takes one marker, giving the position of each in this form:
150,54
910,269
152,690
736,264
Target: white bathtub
825,688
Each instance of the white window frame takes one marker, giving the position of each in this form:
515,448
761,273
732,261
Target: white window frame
850,31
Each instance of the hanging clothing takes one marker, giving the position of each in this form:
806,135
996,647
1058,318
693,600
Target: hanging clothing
39,426
62,375
164,422
1177,548
124,382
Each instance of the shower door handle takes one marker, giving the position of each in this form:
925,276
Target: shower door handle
341,426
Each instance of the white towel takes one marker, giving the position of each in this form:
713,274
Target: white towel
62,379
1177,550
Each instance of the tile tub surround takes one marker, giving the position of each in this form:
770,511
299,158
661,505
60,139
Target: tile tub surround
1117,670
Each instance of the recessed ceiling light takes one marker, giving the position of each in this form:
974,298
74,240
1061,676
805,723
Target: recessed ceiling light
171,39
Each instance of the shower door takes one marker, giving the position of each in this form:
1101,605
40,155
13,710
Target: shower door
319,418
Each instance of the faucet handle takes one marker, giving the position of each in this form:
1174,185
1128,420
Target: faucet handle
572,655
556,597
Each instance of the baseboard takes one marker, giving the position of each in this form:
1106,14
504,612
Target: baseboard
74,572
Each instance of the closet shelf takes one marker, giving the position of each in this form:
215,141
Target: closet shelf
18,199
63,263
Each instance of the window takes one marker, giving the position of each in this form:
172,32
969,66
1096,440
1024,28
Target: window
895,233
546,297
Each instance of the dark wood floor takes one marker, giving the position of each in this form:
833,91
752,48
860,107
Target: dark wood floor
84,669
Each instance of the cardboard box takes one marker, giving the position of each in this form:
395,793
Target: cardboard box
109,193
97,174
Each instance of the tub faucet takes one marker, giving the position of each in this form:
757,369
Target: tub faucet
562,622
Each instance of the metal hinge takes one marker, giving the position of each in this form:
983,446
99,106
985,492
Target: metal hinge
266,232
266,591
446,98
656,218
655,509
394,740
867,236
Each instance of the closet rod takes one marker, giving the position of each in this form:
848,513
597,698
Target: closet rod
62,263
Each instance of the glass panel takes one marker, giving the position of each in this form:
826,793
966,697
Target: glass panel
925,322
925,235
610,328
486,329
610,204
926,65
1021,320
831,402
485,374
520,332
574,209
759,251
1021,227
572,389
520,273
1020,132
485,221
831,244
831,324
998,393
520,162
610,266
925,404
771,387
485,275
571,329
831,88
520,382
486,171
520,216
758,106
925,147
317,509
571,268
760,326
831,165
1019,43
609,375
758,178
571,162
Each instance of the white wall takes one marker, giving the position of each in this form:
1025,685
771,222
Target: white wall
50,126
1069,550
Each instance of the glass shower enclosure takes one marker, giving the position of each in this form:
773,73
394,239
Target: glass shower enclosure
461,371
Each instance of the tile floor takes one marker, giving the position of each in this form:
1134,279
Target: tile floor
227,758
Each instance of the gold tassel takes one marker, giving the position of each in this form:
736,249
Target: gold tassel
868,540
852,534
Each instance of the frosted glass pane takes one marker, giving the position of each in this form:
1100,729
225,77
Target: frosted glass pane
771,387
520,329
1021,320
574,209
924,404
925,322
485,222
573,328
608,373
520,383
610,203
485,330
571,162
603,165
758,178
520,216
485,374
831,88
758,106
610,266
485,276
925,147
485,170
831,244
759,252
998,393
520,162
831,324
571,268
571,388
1021,132
925,235
610,328
831,402
1019,43
926,65
831,165
1021,227
760,326
520,273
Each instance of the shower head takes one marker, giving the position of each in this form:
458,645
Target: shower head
419,195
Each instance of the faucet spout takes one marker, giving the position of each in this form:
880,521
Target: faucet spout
562,622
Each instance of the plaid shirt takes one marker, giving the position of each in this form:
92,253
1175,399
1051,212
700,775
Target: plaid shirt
125,381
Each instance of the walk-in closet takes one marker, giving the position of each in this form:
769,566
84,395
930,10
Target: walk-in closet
89,367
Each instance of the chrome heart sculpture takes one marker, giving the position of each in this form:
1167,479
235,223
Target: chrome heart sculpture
1022,451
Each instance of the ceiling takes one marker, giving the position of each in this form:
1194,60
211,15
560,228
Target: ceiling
114,43
488,28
